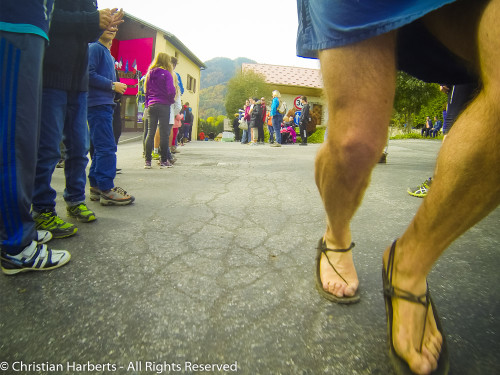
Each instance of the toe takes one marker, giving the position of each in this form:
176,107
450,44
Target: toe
419,363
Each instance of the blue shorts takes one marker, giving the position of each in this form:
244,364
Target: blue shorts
326,24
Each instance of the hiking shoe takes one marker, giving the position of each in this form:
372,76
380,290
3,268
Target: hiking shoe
95,194
35,257
81,212
166,164
155,156
383,158
54,224
147,165
116,197
421,190
43,236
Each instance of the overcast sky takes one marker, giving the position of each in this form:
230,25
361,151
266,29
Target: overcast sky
262,31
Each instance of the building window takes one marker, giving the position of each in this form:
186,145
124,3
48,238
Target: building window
191,83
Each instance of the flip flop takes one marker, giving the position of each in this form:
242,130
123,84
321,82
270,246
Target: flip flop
390,292
322,249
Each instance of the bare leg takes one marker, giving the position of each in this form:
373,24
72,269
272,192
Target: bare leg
466,187
360,83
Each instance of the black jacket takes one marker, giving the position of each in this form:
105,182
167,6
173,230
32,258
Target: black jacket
304,115
75,23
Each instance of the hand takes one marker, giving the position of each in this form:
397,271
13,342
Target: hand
120,87
444,88
104,18
116,17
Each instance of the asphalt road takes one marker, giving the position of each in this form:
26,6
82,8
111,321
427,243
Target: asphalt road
214,264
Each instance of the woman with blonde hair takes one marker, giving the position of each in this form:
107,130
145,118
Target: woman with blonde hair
160,94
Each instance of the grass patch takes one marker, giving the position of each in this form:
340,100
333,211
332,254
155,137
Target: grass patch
415,136
317,137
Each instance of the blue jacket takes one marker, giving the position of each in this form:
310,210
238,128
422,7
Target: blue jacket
26,16
101,75
274,107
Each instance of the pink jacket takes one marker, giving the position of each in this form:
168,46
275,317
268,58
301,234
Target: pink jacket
178,120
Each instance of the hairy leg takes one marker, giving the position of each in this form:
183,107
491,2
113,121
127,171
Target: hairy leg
359,82
466,187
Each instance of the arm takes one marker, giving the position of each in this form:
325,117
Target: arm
274,106
169,81
85,24
96,80
179,81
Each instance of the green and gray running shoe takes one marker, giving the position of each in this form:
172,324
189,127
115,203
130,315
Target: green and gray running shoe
54,224
421,190
81,212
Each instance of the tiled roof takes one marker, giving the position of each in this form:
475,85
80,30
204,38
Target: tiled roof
287,75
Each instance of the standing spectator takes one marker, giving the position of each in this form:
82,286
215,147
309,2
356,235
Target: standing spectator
190,124
103,84
175,109
255,119
236,129
160,95
24,29
174,61
270,128
186,123
74,24
179,89
245,138
304,120
277,117
260,126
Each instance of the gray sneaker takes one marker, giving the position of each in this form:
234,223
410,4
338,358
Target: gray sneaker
116,197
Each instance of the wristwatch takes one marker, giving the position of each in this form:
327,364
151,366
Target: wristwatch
112,86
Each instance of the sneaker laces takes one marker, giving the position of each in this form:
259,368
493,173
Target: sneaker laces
52,217
119,190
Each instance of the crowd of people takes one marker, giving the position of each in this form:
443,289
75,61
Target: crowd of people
72,89
281,127
62,93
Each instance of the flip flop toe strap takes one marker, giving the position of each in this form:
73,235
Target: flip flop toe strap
324,249
395,292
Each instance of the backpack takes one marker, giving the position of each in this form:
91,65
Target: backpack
282,107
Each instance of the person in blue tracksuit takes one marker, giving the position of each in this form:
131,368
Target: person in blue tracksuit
24,30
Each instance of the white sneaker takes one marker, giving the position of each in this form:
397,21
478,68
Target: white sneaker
43,236
34,257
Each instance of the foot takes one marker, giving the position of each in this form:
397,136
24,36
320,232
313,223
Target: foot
345,286
116,197
34,257
81,212
54,224
419,347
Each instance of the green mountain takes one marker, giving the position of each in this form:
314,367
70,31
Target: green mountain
214,78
